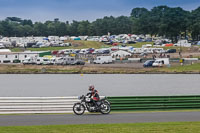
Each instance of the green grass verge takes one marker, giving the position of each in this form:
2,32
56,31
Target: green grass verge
75,45
91,44
166,127
185,68
78,45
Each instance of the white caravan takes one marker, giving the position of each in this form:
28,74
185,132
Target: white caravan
103,60
183,43
29,61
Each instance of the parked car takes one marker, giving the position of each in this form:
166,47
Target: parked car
148,63
35,46
83,51
106,51
171,51
90,50
143,54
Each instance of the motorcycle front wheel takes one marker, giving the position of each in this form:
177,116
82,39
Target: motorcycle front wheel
105,108
78,108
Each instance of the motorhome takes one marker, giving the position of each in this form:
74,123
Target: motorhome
43,61
39,61
59,61
29,61
46,61
73,61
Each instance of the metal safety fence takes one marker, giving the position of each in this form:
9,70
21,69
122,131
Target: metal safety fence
20,105
131,103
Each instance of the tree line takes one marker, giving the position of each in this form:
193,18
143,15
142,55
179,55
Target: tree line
159,21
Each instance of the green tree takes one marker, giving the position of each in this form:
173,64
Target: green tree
40,29
74,28
139,12
83,28
1,29
28,30
140,21
194,27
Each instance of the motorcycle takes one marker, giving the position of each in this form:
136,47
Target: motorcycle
102,106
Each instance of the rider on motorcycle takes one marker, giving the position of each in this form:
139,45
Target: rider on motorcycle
93,94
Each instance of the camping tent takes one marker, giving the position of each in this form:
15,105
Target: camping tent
77,38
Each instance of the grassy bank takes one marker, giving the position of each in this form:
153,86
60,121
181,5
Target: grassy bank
75,45
185,68
169,127
78,45
96,69
92,44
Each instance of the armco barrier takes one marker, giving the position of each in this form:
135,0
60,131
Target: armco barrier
131,103
19,105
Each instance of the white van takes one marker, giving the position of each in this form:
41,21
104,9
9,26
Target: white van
103,60
159,62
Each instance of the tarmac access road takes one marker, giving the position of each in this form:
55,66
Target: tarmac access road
64,119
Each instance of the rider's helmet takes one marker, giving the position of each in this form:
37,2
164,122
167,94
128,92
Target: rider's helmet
91,87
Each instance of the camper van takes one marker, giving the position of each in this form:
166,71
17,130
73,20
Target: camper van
29,61
43,61
159,62
103,60
73,61
46,61
39,61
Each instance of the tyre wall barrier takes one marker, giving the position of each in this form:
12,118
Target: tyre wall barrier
20,105
131,103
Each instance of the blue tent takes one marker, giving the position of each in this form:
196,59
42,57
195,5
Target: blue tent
77,38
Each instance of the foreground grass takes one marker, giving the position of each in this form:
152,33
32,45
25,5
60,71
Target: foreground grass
169,127
185,68
95,69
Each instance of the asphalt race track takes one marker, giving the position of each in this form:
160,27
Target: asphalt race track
63,119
